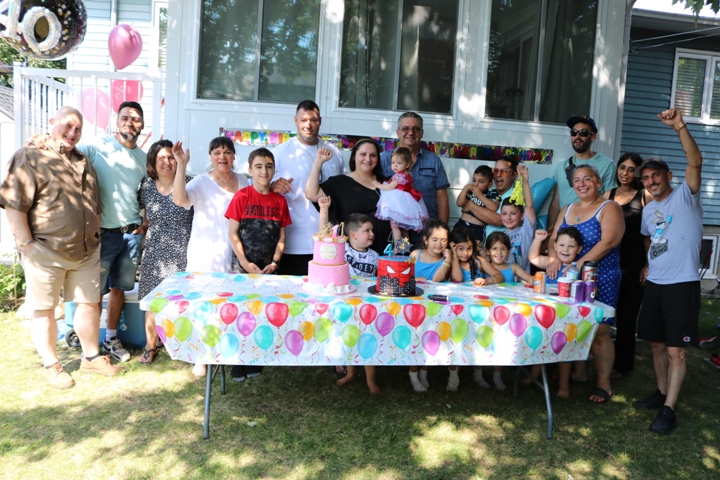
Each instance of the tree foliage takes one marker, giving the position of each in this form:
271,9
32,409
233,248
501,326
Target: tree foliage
8,55
697,5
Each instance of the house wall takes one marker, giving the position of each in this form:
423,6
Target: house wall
195,121
648,92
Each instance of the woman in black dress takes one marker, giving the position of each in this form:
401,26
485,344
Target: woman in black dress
354,193
632,198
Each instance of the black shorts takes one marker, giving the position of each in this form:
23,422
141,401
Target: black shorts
670,313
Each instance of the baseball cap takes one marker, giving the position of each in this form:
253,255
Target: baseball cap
572,121
652,163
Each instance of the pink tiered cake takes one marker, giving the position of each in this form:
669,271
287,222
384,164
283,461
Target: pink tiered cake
328,272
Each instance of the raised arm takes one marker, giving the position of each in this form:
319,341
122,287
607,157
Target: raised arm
527,194
324,218
540,261
313,192
554,265
553,209
179,193
673,118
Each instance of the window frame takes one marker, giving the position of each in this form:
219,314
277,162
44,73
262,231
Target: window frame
711,59
711,270
158,5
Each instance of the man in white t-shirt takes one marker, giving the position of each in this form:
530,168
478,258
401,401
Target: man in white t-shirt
293,162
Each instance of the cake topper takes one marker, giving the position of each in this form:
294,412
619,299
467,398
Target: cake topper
403,246
325,231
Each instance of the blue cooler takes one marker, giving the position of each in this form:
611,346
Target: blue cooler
70,336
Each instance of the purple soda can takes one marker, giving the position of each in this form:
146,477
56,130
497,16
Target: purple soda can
577,291
589,292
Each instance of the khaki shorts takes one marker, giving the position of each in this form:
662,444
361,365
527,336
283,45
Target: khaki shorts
46,273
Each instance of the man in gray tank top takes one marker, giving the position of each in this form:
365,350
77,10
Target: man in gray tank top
672,225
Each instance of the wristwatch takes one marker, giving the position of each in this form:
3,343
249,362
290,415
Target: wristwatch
25,244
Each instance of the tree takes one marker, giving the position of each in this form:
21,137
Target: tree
697,5
8,55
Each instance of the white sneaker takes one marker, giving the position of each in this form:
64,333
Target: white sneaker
115,349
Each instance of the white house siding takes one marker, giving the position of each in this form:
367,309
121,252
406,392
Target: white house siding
93,54
195,121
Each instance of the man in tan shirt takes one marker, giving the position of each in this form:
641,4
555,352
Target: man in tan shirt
52,202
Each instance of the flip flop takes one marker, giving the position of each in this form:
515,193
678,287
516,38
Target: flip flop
148,356
599,392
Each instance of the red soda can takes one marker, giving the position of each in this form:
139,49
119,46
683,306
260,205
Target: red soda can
589,272
539,282
590,289
577,291
564,285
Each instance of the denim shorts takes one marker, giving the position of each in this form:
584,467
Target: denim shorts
119,258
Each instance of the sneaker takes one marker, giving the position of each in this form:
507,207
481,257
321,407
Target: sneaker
656,400
114,348
714,361
100,365
57,377
708,342
237,372
664,422
253,371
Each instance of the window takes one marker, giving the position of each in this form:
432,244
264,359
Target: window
540,59
696,86
160,34
399,55
708,256
258,50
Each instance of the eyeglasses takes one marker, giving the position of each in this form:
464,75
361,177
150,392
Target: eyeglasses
505,171
414,129
584,133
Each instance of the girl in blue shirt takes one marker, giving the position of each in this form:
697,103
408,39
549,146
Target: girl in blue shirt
465,266
498,246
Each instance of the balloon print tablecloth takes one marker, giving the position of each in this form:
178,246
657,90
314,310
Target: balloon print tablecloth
218,318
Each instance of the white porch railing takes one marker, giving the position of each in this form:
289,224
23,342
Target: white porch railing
39,94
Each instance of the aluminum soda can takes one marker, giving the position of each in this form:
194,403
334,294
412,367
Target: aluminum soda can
577,291
564,285
539,282
590,289
589,272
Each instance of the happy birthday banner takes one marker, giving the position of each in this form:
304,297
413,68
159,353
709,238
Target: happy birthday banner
251,319
268,138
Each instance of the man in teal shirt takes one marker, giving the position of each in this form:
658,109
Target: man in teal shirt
583,132
121,168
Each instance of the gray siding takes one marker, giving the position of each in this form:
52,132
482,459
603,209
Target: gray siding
648,92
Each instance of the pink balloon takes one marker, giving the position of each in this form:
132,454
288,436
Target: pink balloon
276,313
125,91
95,107
161,333
518,324
294,341
431,341
501,314
124,45
246,323
228,313
385,323
558,341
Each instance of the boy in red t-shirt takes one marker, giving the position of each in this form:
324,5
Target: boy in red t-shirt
258,217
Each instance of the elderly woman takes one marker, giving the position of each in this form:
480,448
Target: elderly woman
354,193
168,232
602,226
209,248
632,199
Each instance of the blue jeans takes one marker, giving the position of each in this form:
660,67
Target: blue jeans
119,258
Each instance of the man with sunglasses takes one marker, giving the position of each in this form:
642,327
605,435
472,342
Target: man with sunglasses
583,132
428,173
672,226
504,173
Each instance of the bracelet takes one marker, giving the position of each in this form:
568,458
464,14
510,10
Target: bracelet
679,127
274,262
25,244
446,264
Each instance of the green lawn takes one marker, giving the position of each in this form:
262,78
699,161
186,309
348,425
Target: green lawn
295,423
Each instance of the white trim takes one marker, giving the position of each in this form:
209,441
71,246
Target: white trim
711,271
711,58
157,5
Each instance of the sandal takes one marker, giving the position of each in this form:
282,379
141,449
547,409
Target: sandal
148,356
603,395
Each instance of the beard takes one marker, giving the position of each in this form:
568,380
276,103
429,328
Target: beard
582,148
129,136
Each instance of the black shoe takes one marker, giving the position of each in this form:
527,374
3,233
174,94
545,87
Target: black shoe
664,422
656,400
237,372
253,371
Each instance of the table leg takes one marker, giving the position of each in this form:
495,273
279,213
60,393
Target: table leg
208,387
546,388
222,379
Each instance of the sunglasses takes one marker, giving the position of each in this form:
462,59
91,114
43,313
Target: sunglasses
414,129
506,171
584,133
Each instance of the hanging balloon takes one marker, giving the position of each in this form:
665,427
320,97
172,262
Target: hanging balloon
94,106
124,45
125,91
44,29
